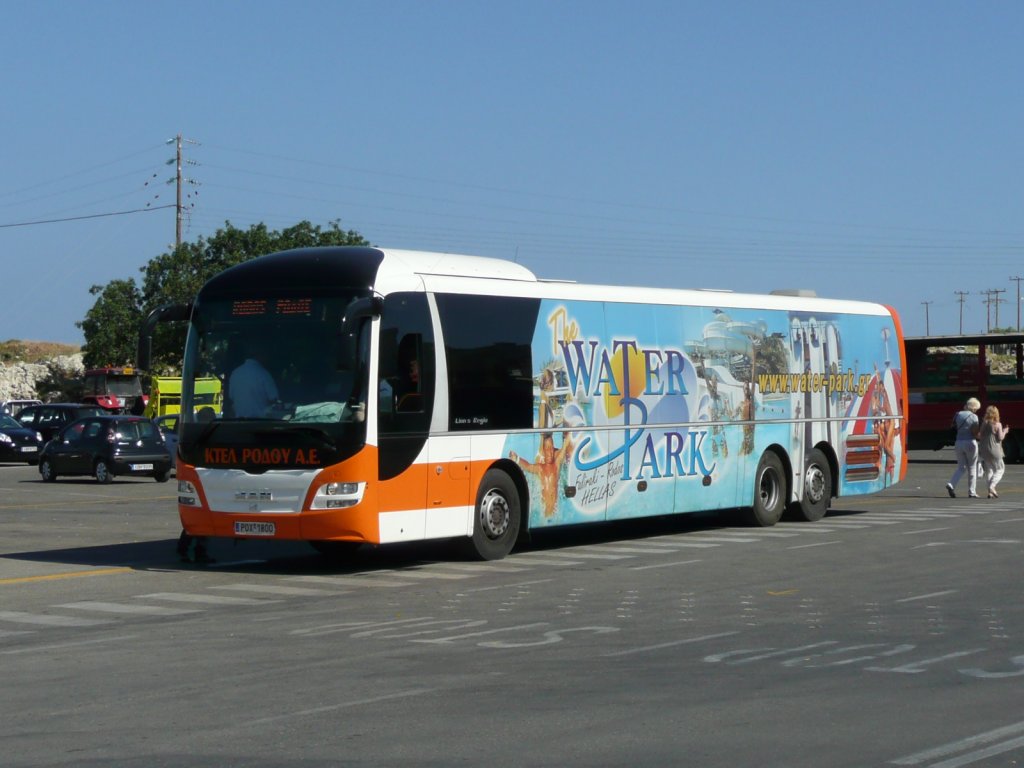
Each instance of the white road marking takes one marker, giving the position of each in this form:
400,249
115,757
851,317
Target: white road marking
342,705
350,581
670,644
44,620
126,608
276,589
927,597
968,743
189,597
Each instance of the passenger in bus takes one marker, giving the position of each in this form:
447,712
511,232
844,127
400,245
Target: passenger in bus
548,468
966,447
251,388
408,393
990,449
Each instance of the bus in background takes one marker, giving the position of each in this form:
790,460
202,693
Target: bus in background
421,396
944,371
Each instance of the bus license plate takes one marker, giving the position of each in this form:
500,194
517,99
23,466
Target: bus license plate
254,529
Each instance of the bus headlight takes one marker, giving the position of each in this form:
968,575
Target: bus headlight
187,494
338,495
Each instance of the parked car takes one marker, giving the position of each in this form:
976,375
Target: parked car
105,447
49,418
13,407
18,443
168,426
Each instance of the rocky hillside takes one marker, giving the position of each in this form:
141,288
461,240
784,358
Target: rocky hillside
40,370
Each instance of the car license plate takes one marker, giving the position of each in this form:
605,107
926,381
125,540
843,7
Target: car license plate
140,467
254,529
29,449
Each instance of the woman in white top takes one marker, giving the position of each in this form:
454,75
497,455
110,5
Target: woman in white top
966,447
990,449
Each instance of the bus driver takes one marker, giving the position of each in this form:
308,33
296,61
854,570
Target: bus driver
250,387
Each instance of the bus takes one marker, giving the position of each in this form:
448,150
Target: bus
944,371
423,396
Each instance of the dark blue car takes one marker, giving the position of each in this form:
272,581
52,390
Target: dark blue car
19,443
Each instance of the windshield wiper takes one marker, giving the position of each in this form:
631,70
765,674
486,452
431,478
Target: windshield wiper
208,430
320,434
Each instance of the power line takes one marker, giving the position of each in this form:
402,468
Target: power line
80,218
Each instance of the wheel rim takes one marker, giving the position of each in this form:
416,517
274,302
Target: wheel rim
495,515
101,472
768,488
814,484
44,470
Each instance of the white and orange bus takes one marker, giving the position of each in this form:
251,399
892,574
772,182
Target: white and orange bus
426,395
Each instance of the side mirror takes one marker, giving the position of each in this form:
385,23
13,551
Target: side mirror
356,312
165,313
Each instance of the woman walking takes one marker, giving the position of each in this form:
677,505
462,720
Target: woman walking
990,449
966,447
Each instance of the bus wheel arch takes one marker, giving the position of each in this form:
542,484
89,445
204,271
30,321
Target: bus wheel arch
818,487
497,514
771,489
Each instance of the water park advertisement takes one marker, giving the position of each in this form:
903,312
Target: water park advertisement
647,410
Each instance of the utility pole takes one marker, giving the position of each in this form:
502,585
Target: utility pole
993,300
177,207
997,301
927,327
179,181
1017,280
961,294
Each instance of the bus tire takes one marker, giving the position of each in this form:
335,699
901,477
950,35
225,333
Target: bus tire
817,493
769,492
496,516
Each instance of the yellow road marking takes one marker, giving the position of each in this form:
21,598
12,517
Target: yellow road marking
72,575
783,593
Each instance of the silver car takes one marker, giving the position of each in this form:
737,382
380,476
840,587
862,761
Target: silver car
168,426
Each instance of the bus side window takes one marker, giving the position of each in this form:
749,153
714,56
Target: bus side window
405,365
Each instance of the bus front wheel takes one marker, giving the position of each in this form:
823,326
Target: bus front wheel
496,517
817,492
769,492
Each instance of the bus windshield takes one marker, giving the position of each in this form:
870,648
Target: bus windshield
283,379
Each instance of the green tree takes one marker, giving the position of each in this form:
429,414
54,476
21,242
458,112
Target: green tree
111,327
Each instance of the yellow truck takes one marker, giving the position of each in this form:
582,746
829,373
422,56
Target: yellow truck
165,395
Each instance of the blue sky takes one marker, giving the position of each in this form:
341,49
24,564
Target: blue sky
867,150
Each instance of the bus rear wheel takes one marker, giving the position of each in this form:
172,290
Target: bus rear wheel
496,517
817,493
769,492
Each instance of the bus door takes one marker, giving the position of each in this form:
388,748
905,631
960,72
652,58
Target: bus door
405,398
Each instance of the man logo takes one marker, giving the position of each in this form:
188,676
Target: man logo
264,494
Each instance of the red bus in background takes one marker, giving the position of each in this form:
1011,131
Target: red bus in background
943,371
